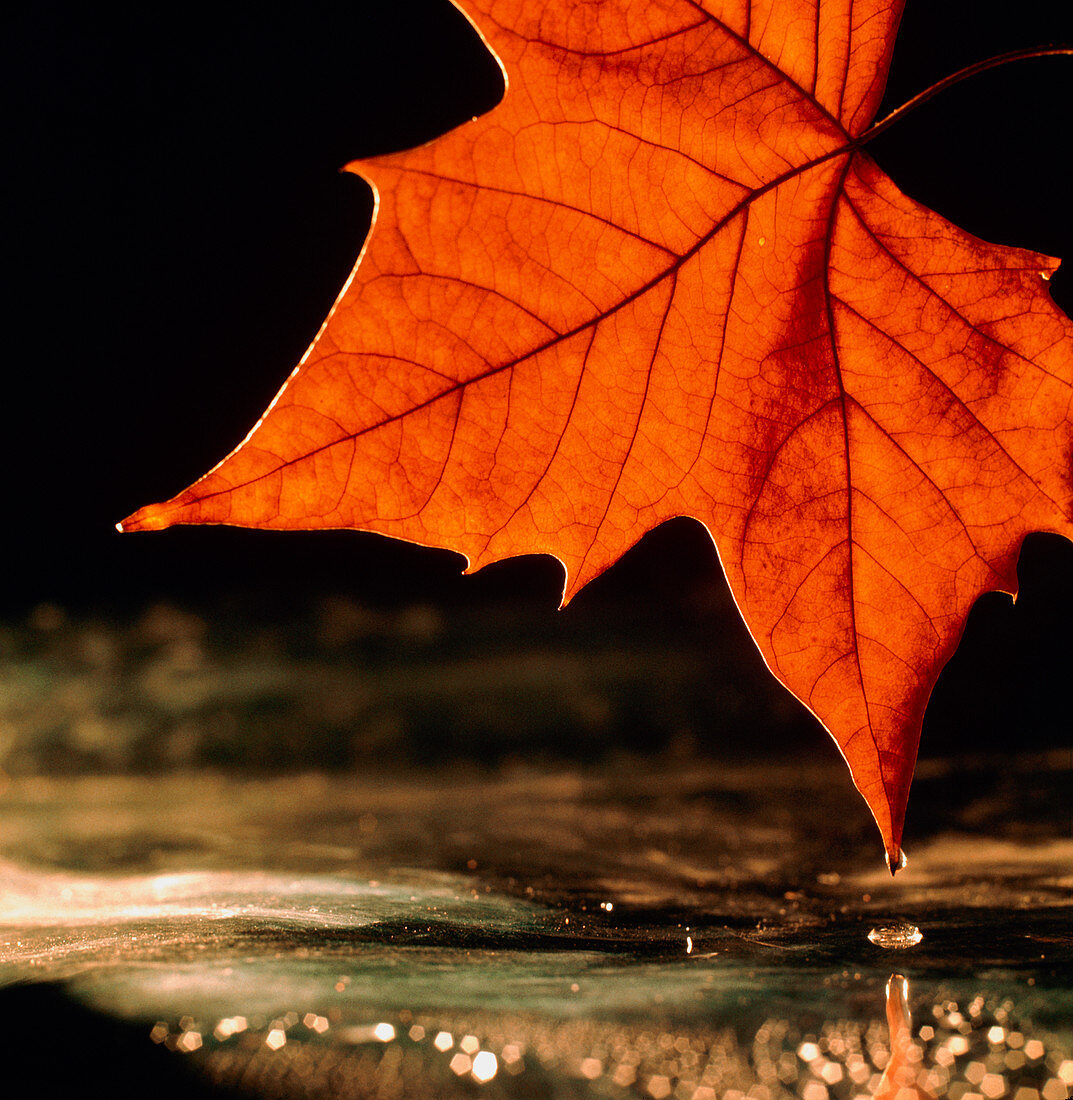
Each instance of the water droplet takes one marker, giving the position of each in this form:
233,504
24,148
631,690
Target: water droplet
896,860
896,935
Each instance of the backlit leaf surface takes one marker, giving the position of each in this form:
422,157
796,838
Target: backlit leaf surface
663,278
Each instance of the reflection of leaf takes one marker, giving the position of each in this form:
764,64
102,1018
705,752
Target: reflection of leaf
662,278
902,1073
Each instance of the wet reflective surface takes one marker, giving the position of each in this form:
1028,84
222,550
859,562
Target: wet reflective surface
693,932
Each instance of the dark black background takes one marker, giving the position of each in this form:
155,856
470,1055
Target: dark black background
180,227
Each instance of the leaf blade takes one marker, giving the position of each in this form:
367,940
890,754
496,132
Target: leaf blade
599,307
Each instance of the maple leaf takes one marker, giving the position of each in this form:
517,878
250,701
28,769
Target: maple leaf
663,278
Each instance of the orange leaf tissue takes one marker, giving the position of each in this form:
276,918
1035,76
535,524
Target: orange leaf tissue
663,277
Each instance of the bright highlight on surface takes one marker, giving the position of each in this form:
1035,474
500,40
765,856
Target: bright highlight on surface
485,1065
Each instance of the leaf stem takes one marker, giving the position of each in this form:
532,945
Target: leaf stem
956,78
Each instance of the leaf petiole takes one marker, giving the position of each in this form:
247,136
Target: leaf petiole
956,78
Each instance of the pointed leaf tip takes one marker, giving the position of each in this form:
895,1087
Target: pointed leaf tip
896,860
153,517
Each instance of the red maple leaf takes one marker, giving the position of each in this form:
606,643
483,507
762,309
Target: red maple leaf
664,278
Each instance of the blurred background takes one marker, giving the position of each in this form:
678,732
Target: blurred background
179,229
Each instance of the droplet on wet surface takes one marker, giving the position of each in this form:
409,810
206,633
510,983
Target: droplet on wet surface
896,936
